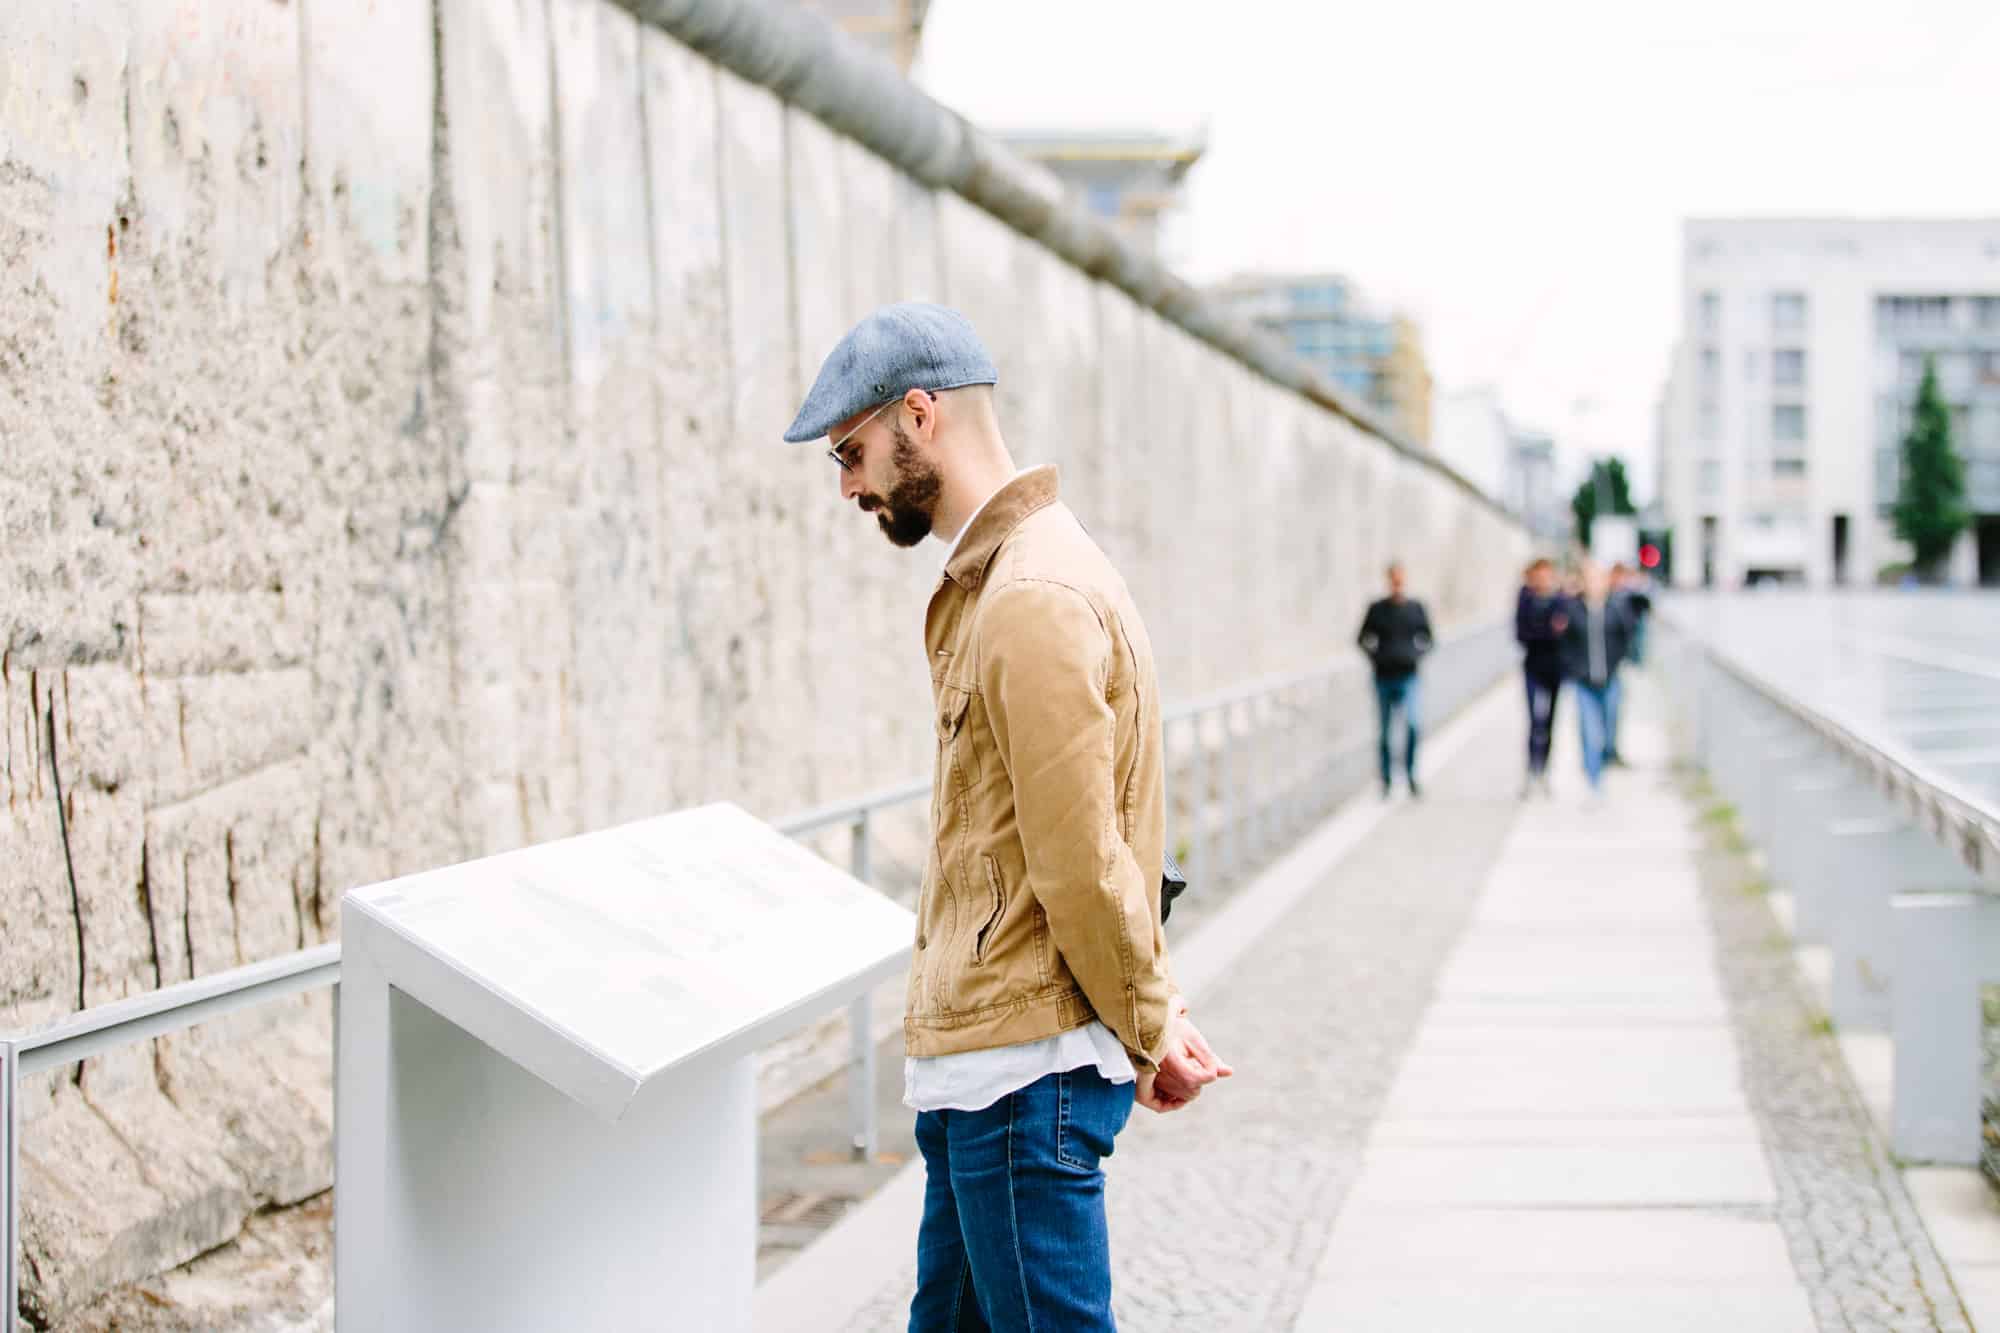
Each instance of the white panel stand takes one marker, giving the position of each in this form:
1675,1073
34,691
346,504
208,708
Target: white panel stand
1945,949
1783,761
1802,857
546,1073
1863,860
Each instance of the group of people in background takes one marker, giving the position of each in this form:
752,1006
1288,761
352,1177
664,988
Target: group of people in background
1581,632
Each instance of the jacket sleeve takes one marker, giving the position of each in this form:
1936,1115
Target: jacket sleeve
1521,635
1424,640
1369,638
1045,659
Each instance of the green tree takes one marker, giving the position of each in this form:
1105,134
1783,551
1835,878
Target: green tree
1930,509
1583,505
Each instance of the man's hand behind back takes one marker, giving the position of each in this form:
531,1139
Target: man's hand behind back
1187,1066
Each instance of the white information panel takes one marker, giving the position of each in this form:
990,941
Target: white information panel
546,1087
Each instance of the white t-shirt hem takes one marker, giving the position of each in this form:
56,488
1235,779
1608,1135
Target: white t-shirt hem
974,1080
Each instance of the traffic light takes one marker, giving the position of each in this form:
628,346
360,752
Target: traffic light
1649,556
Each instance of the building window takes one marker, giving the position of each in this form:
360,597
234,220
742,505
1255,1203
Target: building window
1788,310
1913,312
1788,422
1708,420
1788,367
1987,312
1910,368
1711,368
1988,369
1711,311
1957,371
1983,435
1788,467
1708,478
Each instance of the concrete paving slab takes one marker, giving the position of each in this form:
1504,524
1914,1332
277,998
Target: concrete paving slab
1871,1059
1786,908
1460,1129
1657,1245
1609,953
1591,907
1608,1071
1555,1306
1816,970
1565,1044
1522,1093
1663,1011
1979,1289
1623,847
1643,981
1959,1210
1589,1176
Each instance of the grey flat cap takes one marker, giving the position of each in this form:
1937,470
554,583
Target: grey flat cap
909,345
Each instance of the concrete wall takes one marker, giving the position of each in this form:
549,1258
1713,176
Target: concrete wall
390,403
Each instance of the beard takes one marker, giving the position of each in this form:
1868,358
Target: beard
905,512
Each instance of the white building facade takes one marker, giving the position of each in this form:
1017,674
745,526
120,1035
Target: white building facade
1516,466
1801,347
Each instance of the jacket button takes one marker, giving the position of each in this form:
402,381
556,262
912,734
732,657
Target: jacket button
921,941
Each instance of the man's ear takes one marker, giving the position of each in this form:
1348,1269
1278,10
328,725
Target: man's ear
923,409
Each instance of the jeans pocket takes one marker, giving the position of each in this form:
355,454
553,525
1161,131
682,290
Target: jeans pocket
1090,1112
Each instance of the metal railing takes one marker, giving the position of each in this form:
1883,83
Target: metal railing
1244,776
1963,823
1892,871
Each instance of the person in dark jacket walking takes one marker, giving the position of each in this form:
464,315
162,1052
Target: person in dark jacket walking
1595,640
1630,596
1396,633
1540,615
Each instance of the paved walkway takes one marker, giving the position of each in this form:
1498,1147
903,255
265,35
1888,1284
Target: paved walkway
1568,1143
1502,1066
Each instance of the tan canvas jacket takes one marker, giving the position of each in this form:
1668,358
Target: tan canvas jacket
1040,907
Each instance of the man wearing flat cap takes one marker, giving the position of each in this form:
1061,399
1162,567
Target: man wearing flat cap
1040,1001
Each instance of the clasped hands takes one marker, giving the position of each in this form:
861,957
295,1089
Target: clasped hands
1186,1066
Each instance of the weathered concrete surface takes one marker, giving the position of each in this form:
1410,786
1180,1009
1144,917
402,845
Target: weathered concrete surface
389,474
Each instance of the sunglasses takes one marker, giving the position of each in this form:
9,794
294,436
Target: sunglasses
837,450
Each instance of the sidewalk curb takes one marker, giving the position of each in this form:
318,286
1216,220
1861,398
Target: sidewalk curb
838,1275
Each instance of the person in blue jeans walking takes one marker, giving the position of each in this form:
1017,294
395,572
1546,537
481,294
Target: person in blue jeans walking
1396,633
1596,639
1628,594
1040,1007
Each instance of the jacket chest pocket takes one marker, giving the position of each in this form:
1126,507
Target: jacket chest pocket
958,757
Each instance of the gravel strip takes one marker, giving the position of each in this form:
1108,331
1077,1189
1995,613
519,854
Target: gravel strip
1855,1238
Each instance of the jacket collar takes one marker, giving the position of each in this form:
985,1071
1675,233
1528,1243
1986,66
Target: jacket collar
1027,492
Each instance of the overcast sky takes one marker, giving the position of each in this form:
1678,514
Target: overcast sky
1513,175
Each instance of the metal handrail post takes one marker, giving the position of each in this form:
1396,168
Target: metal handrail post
10,1189
1246,819
1198,771
1267,808
862,1117
1227,827
1300,769
1287,813
1336,749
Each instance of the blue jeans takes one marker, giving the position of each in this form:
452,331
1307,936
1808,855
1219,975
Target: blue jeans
1013,1237
1397,692
1594,706
1613,693
1544,688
